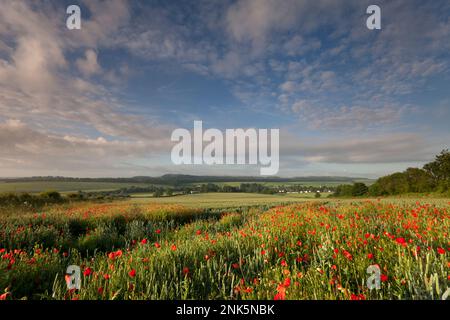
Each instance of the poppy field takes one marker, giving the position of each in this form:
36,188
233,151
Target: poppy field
308,250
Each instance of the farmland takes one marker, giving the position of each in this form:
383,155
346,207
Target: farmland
41,184
220,246
313,183
63,186
223,200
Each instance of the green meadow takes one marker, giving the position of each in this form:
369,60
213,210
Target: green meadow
64,186
222,200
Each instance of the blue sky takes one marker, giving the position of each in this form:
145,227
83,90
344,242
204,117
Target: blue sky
103,100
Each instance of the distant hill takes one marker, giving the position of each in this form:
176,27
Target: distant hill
178,179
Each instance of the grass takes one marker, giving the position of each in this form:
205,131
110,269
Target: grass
64,186
223,200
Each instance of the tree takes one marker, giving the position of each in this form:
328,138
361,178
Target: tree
435,176
439,169
359,189
343,190
209,187
419,180
51,195
395,183
227,188
317,195
375,190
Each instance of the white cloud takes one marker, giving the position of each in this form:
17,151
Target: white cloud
263,49
39,149
288,86
89,65
348,118
301,106
380,148
42,95
297,45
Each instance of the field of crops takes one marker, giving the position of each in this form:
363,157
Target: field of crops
74,186
224,200
64,186
308,250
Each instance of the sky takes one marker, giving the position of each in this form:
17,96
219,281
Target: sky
103,101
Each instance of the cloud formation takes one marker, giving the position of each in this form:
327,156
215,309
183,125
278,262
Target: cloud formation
85,99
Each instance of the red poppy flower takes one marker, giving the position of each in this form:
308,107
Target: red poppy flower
347,254
263,252
440,250
281,293
384,278
68,279
280,296
144,241
158,231
284,263
358,297
100,290
185,270
370,256
173,247
157,245
114,255
4,296
87,272
10,264
132,273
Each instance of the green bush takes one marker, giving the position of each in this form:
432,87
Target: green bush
104,238
51,195
359,189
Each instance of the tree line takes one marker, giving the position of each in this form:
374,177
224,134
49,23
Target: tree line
433,177
30,200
